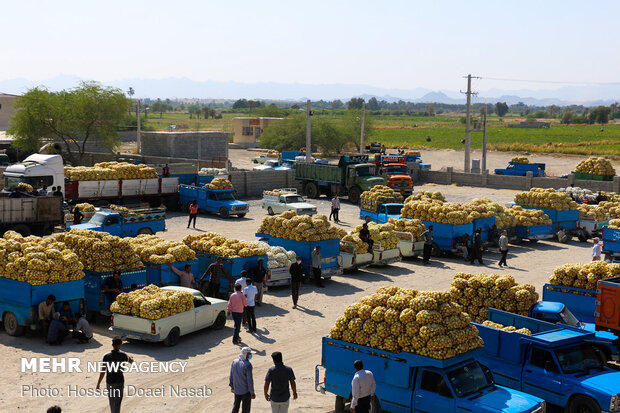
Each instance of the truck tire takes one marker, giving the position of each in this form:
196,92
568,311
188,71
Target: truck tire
499,173
354,195
339,405
270,210
146,231
11,326
241,215
224,212
220,321
583,404
435,251
311,190
375,407
23,230
173,337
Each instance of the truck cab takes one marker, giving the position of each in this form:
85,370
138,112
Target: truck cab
394,168
115,223
383,213
521,169
36,170
359,175
288,202
219,201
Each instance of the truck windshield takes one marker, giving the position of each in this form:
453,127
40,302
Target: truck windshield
98,219
394,209
294,199
569,318
363,171
11,182
578,358
397,170
226,196
468,379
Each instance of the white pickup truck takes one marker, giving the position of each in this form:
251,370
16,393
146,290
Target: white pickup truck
207,312
287,201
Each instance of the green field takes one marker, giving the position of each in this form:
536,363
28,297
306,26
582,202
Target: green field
446,132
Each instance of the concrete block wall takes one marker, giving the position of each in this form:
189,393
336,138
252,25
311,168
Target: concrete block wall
251,184
196,145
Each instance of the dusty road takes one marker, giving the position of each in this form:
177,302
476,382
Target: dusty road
296,333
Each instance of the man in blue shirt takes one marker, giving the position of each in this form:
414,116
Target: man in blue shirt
113,286
57,330
279,377
241,381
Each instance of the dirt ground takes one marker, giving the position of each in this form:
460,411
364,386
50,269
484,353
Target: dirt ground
296,333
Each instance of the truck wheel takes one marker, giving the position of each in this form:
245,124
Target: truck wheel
312,190
146,231
11,326
220,321
22,229
499,173
533,241
354,195
173,337
224,212
241,215
435,251
339,406
375,407
269,210
583,404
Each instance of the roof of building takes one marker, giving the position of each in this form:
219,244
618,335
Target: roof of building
9,94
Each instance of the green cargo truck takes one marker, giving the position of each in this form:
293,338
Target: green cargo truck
352,176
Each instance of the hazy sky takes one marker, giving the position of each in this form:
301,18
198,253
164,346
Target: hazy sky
392,44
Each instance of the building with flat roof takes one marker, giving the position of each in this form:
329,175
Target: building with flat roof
249,129
6,109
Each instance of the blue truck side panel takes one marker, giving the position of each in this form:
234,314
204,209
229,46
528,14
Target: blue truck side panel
93,284
162,275
233,267
291,155
329,248
20,297
565,219
523,231
444,234
581,302
485,224
188,193
611,240
520,169
378,217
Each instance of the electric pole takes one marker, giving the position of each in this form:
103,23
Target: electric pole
308,133
468,125
138,136
363,126
484,141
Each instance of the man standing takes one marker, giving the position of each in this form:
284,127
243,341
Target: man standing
427,236
596,249
363,389
186,278
193,213
503,247
115,381
335,209
166,171
476,247
297,273
46,313
112,287
259,276
250,293
215,271
82,330
279,376
241,381
236,306
316,266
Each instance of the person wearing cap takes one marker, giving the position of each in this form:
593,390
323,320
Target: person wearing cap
279,377
46,312
363,389
259,277
57,331
297,274
241,381
115,380
236,307
596,249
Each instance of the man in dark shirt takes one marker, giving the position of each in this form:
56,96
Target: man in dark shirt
279,376
112,287
476,247
258,276
66,315
365,236
57,331
115,381
297,273
214,271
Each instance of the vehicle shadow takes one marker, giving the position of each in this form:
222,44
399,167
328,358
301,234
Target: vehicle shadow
36,344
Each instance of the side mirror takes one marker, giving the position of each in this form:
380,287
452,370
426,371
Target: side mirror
488,373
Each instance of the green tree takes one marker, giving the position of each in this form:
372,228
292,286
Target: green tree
599,114
373,104
501,108
90,112
430,109
240,104
337,104
352,127
355,103
271,111
287,134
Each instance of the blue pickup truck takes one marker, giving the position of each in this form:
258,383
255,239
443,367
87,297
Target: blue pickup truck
19,301
555,363
218,201
383,213
136,222
521,169
407,382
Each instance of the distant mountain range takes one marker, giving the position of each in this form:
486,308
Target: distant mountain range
210,89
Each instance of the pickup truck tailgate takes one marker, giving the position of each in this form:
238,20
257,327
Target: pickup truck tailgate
132,323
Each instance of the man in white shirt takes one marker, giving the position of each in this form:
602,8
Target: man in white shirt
250,292
82,330
363,389
335,208
596,250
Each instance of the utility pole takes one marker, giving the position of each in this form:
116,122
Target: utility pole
138,137
468,125
363,127
308,133
484,141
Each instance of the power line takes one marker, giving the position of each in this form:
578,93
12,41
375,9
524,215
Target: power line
557,82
